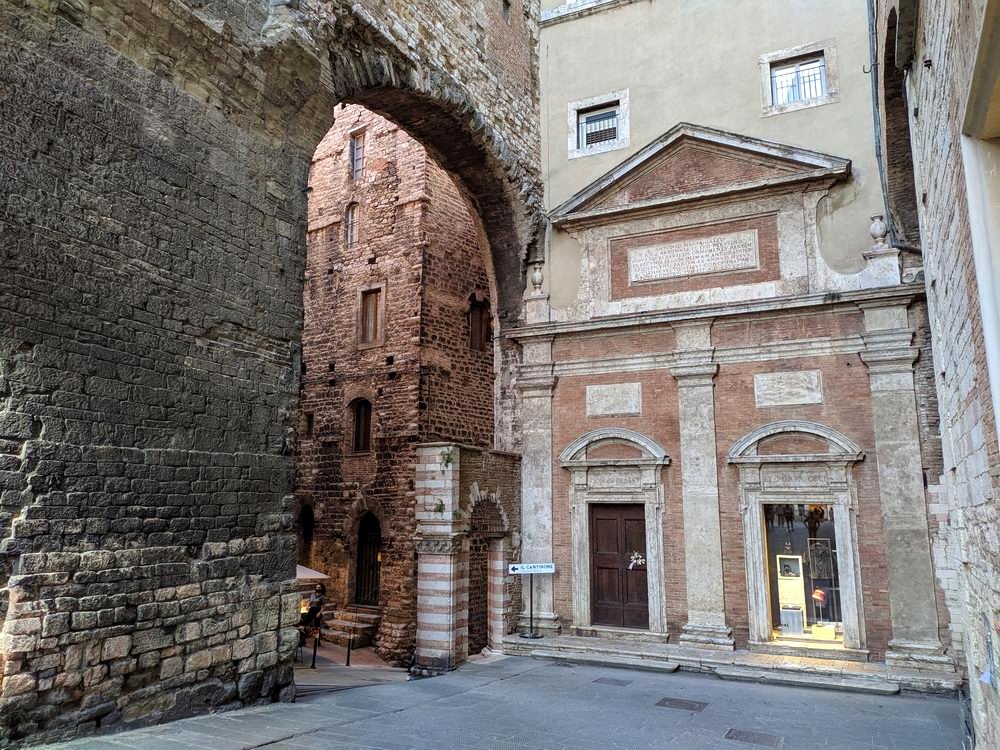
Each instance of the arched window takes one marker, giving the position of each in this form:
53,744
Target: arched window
351,225
362,413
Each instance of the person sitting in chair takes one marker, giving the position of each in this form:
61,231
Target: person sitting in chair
317,599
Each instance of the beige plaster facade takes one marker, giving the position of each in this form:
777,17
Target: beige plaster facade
674,72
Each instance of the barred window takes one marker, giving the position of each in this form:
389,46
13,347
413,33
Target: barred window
798,80
597,125
357,155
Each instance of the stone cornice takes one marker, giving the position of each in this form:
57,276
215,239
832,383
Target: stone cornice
672,317
573,9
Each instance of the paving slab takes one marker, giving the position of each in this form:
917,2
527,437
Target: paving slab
520,703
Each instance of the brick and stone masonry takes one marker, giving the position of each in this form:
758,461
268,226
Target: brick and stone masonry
419,243
928,53
155,159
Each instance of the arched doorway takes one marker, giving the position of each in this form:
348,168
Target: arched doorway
307,528
368,561
487,528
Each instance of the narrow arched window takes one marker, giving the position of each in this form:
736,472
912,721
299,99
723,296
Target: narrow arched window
480,334
362,413
351,225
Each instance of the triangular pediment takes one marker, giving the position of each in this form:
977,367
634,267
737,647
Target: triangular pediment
690,162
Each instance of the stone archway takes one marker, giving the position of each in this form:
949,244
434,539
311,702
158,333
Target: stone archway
487,567
171,314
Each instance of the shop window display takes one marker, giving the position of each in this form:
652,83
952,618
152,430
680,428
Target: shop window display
802,571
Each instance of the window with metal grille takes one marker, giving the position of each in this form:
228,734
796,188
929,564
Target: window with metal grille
480,334
357,153
362,412
597,125
351,227
371,310
798,80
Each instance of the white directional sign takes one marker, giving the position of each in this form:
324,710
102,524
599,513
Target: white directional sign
523,569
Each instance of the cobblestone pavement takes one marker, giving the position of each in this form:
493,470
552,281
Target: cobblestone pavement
524,704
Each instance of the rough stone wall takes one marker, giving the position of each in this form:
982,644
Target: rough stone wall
947,35
154,215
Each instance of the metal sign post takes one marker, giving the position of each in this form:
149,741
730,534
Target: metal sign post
529,569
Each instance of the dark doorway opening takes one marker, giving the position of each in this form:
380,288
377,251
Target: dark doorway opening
307,528
366,580
619,594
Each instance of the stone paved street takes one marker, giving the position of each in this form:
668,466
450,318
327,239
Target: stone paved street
525,704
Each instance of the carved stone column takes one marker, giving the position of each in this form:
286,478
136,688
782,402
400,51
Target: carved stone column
695,372
536,383
889,356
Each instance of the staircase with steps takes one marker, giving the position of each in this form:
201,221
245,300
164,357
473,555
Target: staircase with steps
354,623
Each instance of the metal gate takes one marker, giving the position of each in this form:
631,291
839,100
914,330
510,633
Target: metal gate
366,579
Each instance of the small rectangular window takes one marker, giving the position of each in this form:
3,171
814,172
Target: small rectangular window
479,326
310,424
506,10
597,125
362,442
357,155
371,308
798,80
352,229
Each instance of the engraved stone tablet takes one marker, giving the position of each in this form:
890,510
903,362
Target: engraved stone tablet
614,479
608,400
723,252
788,388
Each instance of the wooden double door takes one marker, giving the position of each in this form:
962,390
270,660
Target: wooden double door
619,596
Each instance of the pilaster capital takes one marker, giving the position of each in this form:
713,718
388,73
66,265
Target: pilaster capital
451,544
536,381
694,371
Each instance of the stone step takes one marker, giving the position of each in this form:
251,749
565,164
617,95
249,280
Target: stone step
361,616
595,659
357,639
348,625
875,684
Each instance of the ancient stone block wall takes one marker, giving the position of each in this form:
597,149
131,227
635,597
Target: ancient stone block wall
946,37
156,161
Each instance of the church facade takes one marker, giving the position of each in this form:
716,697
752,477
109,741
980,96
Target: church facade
730,423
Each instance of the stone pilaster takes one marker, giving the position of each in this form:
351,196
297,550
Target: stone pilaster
442,581
889,356
695,373
535,383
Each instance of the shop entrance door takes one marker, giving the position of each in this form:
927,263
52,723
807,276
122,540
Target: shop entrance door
618,594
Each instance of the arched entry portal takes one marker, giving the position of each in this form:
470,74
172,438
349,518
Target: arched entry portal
368,561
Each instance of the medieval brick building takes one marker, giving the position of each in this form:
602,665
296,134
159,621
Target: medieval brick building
398,353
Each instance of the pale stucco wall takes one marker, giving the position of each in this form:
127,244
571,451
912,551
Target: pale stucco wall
697,61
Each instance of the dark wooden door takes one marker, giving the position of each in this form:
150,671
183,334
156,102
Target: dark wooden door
366,579
618,596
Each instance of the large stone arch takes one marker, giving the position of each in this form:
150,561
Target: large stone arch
152,308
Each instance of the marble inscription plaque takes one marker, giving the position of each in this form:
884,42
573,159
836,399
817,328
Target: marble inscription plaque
736,251
614,399
614,479
788,388
772,476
